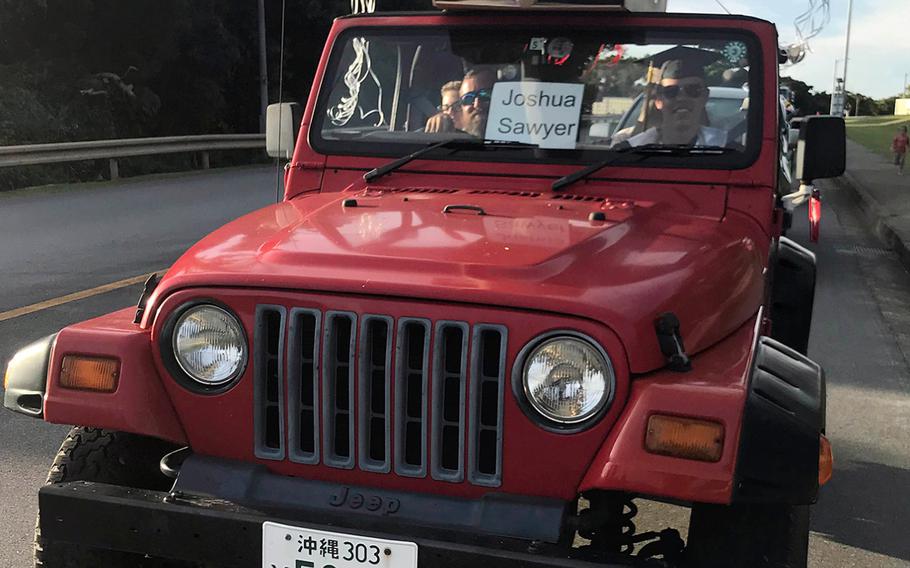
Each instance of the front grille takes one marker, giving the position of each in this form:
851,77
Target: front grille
408,395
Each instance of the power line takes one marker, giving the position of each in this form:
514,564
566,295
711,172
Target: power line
719,3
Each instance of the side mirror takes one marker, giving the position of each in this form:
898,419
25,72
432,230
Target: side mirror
822,148
281,124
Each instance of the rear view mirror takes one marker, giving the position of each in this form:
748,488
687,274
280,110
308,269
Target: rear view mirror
822,148
281,124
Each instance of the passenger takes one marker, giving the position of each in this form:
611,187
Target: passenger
472,106
448,118
680,100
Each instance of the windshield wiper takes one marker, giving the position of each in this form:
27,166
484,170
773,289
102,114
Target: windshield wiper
456,143
644,151
392,166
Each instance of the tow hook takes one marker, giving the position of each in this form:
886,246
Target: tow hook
171,463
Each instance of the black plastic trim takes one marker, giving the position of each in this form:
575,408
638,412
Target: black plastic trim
402,393
225,534
783,418
170,360
295,363
261,403
330,411
366,414
793,295
26,387
441,374
477,379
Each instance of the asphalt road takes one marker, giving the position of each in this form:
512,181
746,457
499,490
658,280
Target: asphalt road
54,243
59,240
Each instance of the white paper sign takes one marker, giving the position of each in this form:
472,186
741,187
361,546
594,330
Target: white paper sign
545,114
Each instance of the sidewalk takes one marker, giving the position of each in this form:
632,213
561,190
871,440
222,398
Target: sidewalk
883,196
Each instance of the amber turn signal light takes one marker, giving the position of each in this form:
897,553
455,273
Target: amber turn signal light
90,373
685,438
825,461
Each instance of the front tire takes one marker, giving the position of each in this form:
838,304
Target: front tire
748,536
103,456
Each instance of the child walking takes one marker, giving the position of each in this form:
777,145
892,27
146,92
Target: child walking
899,147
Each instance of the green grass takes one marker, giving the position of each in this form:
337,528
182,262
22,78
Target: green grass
876,132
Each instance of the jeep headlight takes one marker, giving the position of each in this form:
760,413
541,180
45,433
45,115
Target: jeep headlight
568,379
209,345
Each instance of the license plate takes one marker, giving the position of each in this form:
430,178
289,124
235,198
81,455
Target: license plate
284,546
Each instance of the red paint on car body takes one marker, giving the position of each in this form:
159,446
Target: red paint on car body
140,403
692,241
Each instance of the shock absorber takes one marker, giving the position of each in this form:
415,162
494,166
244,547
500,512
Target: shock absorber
608,524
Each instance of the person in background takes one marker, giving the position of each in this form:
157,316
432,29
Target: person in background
449,116
899,148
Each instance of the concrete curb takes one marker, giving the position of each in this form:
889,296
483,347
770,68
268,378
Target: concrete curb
877,217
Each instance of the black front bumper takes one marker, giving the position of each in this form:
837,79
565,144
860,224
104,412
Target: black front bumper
208,528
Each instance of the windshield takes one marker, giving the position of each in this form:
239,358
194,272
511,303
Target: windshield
560,96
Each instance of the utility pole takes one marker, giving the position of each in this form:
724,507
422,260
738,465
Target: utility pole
833,107
263,69
847,48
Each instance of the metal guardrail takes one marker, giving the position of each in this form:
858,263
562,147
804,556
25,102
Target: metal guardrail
130,147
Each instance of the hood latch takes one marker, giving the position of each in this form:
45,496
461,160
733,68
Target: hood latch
671,343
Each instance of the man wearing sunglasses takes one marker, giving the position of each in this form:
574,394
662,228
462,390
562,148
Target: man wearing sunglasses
680,100
472,108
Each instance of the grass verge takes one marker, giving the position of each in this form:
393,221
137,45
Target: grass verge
876,132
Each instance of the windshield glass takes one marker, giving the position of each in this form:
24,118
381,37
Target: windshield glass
559,96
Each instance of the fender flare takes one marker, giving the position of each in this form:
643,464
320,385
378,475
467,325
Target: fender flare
26,378
783,419
793,294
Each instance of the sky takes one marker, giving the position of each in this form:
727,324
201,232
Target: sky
879,40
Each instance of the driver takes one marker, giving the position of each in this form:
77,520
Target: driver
680,100
471,108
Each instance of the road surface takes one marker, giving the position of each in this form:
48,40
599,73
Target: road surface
55,243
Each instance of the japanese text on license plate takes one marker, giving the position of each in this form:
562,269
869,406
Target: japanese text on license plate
295,547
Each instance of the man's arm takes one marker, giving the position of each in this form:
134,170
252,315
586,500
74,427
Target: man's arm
440,122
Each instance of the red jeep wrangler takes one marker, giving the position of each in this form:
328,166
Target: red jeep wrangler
481,322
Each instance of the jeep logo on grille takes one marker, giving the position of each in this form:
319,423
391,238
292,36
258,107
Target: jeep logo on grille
344,497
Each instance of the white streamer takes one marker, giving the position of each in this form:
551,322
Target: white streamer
808,25
358,72
363,6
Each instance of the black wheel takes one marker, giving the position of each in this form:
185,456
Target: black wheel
118,458
748,536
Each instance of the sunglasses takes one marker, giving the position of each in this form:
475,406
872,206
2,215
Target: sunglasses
445,108
673,91
484,95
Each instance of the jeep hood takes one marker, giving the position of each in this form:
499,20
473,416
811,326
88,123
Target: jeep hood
620,262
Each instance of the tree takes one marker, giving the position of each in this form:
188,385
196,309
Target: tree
805,99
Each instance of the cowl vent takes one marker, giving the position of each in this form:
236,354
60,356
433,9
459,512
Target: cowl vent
569,197
509,193
423,190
